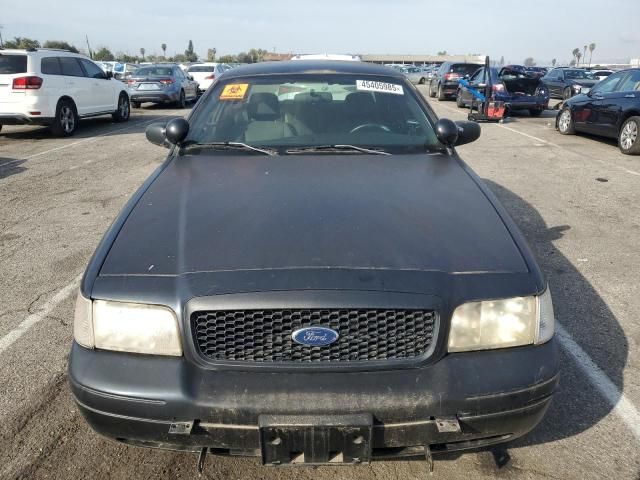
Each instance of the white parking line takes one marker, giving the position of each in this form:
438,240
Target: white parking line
622,407
31,320
537,139
79,142
62,147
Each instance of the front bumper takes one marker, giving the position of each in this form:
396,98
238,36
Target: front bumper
495,396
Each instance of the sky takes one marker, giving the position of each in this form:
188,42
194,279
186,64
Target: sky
515,29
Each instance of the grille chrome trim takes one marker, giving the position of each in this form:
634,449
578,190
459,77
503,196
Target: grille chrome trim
263,336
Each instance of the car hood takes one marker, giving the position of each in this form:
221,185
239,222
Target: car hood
218,213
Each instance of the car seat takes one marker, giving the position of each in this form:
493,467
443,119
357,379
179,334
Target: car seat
265,120
360,109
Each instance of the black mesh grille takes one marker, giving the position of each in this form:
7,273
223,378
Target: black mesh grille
265,335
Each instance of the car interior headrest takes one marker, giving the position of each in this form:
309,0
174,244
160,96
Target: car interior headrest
264,106
360,102
313,97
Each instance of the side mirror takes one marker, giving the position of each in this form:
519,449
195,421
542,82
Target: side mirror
176,130
168,133
467,132
190,77
447,132
109,74
156,134
453,134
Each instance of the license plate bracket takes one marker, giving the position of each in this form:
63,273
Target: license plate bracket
316,439
148,86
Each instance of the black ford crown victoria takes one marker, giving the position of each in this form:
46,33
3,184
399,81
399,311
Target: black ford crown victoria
313,276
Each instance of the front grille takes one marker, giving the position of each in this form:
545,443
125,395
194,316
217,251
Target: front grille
265,335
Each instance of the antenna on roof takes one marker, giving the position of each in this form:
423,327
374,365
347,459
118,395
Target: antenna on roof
89,47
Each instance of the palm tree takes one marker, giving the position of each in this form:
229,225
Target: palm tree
578,57
592,47
142,50
575,53
584,53
553,62
164,50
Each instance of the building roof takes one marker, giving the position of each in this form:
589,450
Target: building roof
402,58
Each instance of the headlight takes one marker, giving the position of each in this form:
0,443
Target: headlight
126,327
577,88
503,323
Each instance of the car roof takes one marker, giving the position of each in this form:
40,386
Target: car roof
151,65
41,51
312,66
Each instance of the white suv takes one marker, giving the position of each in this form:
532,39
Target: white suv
57,88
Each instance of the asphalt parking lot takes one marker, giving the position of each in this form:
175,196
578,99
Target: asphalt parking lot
575,198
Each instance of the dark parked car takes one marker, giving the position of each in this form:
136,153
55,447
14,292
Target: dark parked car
566,82
610,109
314,278
162,84
536,71
444,82
516,88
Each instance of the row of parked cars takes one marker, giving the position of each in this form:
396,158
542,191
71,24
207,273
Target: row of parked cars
598,102
58,88
416,74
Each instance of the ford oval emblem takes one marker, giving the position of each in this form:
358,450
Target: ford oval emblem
314,336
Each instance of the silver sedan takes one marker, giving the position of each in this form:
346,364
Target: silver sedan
417,75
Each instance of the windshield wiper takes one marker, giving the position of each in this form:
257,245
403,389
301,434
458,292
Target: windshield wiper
229,146
336,148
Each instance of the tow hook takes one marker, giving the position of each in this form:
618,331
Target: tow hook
429,458
448,424
201,458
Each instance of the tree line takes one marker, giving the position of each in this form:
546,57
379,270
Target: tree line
105,54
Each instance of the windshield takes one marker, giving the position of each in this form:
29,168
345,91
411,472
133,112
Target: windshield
578,74
154,72
10,64
202,68
464,68
284,112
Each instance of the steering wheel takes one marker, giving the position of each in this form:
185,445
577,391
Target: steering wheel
370,126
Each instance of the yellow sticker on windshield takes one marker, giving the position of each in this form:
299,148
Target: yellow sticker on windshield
236,91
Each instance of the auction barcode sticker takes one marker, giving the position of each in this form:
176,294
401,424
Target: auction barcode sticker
372,86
